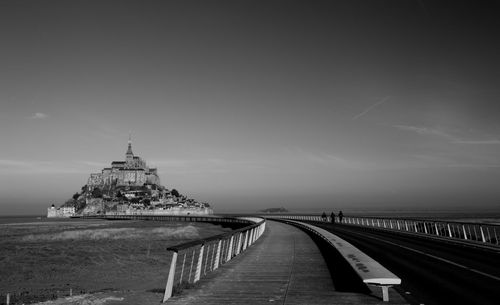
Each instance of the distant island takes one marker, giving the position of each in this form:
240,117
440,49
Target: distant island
274,210
128,187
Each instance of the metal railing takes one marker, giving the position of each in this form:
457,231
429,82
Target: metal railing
471,232
475,233
193,260
173,218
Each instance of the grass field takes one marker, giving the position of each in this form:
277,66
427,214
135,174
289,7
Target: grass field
39,260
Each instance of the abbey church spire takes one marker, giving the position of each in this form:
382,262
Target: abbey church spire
129,149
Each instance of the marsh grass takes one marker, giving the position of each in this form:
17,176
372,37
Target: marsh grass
38,260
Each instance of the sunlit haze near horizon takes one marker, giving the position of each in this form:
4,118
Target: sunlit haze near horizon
246,105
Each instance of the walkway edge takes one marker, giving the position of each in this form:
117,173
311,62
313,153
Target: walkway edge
370,271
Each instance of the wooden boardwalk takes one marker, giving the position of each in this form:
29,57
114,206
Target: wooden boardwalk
284,267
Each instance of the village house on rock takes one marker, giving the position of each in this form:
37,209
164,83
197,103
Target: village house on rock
128,187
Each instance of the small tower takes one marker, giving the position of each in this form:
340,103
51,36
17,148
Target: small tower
129,156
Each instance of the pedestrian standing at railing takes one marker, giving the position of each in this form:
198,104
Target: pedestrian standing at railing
323,216
341,215
332,216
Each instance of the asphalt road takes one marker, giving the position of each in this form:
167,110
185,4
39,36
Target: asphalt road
432,272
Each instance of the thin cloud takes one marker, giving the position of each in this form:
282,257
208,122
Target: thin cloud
326,159
94,164
427,131
205,165
437,132
453,139
473,165
14,163
39,116
364,112
23,167
477,142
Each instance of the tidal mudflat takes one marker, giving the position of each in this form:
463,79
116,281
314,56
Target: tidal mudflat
41,259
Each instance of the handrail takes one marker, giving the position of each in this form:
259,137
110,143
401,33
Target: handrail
209,253
368,269
211,238
479,234
318,217
194,218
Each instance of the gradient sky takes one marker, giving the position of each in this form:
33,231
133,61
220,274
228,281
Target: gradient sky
309,105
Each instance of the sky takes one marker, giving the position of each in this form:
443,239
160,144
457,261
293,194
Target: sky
307,105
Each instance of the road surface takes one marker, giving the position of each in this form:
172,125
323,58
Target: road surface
432,272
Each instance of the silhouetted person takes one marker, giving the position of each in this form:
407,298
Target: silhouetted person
341,215
323,216
332,216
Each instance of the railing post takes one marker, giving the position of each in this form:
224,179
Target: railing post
230,249
465,233
236,244
436,227
249,240
482,234
223,250
197,273
253,232
489,236
182,270
170,280
217,255
245,241
425,228
385,293
240,241
449,230
206,260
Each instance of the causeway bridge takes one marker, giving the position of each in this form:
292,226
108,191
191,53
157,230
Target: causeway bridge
306,259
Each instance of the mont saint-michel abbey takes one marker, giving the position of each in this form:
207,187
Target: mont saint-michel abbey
131,172
128,187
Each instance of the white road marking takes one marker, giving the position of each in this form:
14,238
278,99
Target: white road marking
435,257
